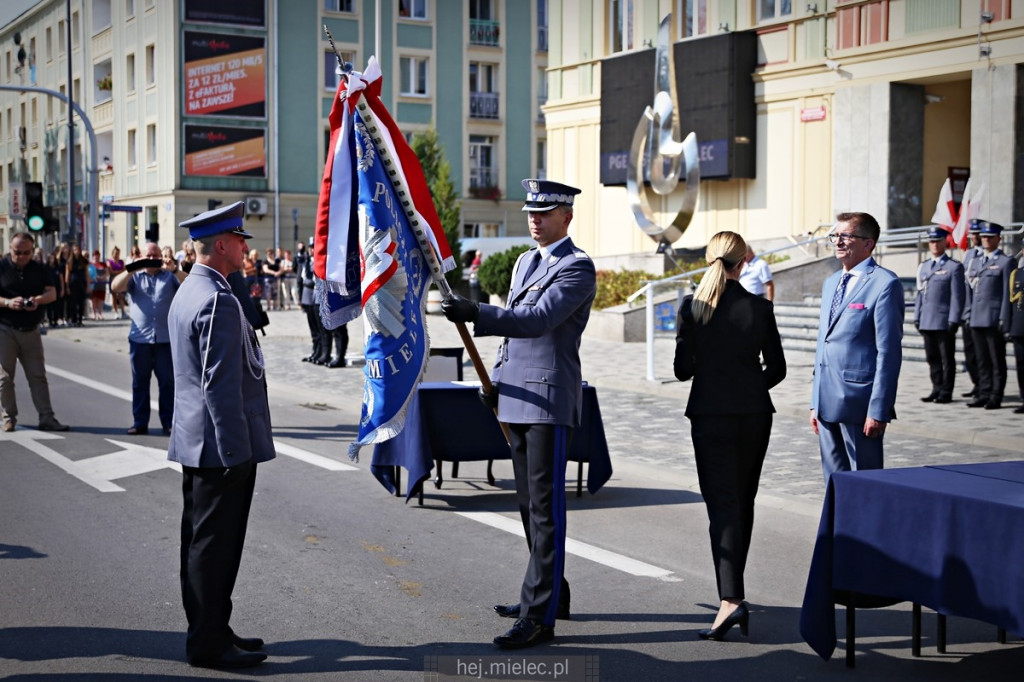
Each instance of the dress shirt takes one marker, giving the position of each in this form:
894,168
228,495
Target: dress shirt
151,302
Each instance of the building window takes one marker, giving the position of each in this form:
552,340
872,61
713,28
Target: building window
62,44
129,77
133,156
150,65
621,24
542,159
695,18
483,166
542,92
414,76
542,25
483,26
483,98
477,230
129,8
74,30
49,43
338,6
412,9
768,10
151,144
331,76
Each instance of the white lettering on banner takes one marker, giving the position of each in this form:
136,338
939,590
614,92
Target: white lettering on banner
707,152
373,368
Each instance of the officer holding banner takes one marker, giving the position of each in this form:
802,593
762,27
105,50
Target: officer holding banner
538,391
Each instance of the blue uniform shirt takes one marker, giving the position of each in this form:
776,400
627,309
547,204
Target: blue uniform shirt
151,302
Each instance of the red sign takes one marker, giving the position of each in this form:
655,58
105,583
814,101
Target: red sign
812,114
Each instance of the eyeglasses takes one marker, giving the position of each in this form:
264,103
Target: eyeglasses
21,253
837,238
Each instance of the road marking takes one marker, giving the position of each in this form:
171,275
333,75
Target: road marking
282,448
580,549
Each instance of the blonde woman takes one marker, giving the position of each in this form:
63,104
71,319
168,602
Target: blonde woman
723,334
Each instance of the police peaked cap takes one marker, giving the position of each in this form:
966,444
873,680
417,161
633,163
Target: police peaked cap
545,195
985,227
225,219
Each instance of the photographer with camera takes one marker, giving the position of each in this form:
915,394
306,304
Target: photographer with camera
25,288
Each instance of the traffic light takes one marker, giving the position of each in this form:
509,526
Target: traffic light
34,217
51,225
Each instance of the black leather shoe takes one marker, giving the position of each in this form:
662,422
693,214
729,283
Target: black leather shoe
970,394
247,643
320,361
525,633
337,362
138,431
741,617
930,398
978,402
513,610
993,404
942,399
233,657
1018,410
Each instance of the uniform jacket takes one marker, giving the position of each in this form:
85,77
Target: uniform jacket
1017,304
724,356
858,358
221,413
538,366
941,292
988,288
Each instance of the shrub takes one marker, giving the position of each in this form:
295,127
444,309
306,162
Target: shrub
614,287
495,272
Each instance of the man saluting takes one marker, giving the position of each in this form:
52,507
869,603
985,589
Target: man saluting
538,391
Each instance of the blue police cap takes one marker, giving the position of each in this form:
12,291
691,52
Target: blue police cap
985,227
545,195
937,234
224,219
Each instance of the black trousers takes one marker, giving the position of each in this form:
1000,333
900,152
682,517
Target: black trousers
990,351
1018,356
321,341
538,460
970,358
939,347
213,525
730,451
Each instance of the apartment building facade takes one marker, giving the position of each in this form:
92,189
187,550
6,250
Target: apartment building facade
201,101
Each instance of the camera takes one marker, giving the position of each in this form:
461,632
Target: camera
28,302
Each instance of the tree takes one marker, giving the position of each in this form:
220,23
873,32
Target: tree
437,170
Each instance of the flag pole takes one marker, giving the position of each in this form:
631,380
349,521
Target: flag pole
419,229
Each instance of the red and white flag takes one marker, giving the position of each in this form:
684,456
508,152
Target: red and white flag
970,207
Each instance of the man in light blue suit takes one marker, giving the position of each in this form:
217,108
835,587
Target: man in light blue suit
857,362
221,431
538,383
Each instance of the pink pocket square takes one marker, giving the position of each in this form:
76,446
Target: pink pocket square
856,306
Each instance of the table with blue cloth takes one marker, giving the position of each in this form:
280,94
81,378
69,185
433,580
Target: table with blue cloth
447,422
947,537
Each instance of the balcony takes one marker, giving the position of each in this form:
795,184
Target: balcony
483,105
483,32
483,182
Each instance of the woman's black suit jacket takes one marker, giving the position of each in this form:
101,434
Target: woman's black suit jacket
724,356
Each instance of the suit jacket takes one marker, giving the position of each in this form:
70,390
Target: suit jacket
538,366
857,361
988,291
940,294
724,356
221,412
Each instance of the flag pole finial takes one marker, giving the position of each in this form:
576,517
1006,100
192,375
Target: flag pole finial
345,67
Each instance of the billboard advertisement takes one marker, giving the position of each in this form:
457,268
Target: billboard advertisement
222,151
240,12
225,75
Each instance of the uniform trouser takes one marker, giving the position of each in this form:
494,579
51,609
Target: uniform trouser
321,349
844,447
213,524
340,335
28,348
1018,357
730,451
538,460
970,358
990,350
939,346
148,359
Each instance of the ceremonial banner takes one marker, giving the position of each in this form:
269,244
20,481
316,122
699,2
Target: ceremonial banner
358,201
970,207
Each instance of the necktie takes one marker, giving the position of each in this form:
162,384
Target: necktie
534,262
837,300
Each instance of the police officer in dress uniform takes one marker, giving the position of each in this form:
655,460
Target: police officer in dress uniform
988,315
970,360
538,386
221,431
1017,327
937,314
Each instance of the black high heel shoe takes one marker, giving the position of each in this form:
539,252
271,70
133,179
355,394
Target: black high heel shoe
741,616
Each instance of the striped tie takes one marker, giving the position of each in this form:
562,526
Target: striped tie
837,300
